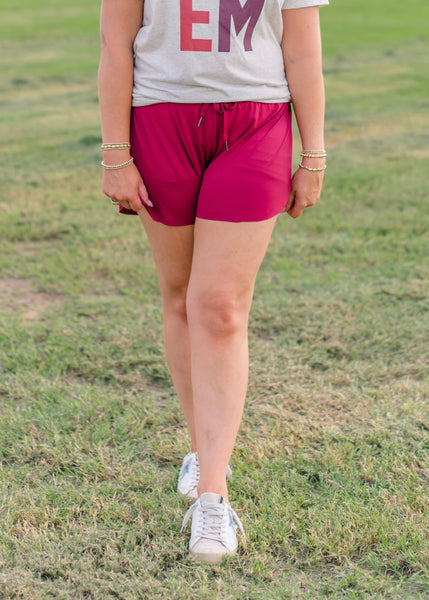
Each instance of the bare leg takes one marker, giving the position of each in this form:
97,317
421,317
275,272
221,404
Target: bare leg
226,259
172,249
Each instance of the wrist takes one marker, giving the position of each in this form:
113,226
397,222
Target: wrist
313,159
114,157
314,162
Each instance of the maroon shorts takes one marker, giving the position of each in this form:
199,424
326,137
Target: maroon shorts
223,162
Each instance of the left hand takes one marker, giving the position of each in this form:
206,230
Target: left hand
305,190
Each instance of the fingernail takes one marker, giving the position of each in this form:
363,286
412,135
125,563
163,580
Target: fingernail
148,202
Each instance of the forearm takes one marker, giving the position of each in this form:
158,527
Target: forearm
302,55
306,85
308,98
115,82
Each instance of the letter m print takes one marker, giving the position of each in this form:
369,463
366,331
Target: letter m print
232,10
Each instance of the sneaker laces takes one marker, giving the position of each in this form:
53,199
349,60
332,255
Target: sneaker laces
209,527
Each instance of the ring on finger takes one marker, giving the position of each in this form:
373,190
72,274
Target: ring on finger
114,202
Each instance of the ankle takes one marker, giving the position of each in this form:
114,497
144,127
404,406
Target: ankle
216,489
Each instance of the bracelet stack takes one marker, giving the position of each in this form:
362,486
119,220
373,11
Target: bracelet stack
114,167
119,146
313,154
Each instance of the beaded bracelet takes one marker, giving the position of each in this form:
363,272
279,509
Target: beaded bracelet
314,154
310,168
120,146
322,151
114,167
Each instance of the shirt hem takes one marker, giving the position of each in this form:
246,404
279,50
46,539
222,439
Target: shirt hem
142,101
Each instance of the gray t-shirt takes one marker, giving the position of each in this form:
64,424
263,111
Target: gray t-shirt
211,51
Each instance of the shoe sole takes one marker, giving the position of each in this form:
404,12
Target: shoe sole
211,558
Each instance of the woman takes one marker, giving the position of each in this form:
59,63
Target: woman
197,142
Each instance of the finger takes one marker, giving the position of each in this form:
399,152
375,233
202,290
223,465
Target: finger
133,204
126,204
290,201
143,194
295,212
296,209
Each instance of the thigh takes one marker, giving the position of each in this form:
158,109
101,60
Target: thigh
226,259
172,249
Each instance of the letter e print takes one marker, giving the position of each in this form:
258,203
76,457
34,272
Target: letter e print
189,16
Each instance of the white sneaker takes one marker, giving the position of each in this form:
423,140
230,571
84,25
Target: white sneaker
189,476
213,531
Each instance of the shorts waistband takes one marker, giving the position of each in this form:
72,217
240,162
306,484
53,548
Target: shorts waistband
221,108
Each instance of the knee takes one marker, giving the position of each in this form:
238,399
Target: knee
219,313
174,301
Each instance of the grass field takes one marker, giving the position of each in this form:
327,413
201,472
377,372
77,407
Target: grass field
331,466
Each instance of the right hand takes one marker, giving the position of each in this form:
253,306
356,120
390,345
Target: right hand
125,185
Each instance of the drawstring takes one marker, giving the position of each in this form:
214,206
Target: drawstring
222,108
203,111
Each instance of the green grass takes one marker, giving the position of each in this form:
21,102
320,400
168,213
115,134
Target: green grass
331,465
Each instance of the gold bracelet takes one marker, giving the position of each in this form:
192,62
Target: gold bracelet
323,151
120,146
310,169
114,167
310,155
